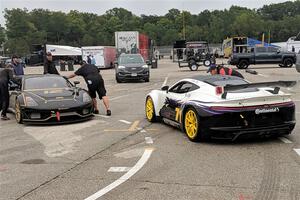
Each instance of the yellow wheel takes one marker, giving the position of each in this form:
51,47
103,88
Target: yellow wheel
191,124
149,109
18,112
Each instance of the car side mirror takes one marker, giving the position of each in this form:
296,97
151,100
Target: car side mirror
165,88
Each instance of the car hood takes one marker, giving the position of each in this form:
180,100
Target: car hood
133,65
57,98
52,94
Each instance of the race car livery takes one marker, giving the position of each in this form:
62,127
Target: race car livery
224,107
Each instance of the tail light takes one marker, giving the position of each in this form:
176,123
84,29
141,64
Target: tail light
219,90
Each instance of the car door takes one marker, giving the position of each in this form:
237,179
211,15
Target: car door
261,55
15,90
176,95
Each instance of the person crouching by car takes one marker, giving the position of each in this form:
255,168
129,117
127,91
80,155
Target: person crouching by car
6,75
221,70
95,85
49,65
16,65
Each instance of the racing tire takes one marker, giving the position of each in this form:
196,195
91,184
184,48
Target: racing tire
150,110
18,113
206,63
191,126
288,62
243,64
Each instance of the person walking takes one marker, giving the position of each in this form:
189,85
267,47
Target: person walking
6,75
49,65
95,84
221,70
16,65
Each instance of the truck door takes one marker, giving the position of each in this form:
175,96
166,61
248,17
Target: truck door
275,55
261,55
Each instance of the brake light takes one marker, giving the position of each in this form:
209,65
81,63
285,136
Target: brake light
219,90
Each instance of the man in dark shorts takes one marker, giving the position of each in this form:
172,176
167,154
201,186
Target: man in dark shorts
6,75
95,85
221,70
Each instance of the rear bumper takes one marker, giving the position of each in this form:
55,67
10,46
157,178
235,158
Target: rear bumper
233,133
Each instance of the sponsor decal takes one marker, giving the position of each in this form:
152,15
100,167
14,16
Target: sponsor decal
266,110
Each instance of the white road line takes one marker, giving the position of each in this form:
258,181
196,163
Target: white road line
285,140
124,121
297,151
119,169
148,140
165,82
263,75
104,116
125,177
119,97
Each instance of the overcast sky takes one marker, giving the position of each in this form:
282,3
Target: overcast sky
138,7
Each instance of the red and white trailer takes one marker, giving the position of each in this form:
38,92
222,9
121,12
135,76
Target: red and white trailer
131,42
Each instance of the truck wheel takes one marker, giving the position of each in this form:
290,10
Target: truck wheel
288,62
206,63
243,64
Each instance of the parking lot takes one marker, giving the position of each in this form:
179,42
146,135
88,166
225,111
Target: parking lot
126,157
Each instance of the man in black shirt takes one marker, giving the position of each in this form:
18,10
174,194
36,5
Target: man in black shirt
6,74
95,85
49,65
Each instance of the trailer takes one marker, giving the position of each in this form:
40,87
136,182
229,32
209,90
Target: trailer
104,56
132,42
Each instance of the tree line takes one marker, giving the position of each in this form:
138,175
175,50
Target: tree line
40,26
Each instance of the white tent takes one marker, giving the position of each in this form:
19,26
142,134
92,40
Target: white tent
59,50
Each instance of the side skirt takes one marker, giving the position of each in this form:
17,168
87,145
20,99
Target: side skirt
172,123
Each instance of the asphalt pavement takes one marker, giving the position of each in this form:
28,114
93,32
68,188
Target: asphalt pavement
126,157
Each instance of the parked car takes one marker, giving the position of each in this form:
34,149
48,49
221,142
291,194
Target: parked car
224,107
132,67
49,99
263,55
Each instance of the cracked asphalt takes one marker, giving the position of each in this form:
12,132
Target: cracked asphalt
70,162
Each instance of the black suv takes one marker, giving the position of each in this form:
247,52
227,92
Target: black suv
263,55
132,67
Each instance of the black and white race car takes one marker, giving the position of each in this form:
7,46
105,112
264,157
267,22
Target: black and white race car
224,107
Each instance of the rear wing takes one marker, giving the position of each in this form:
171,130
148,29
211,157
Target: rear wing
275,84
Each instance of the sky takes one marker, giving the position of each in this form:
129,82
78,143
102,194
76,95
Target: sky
138,7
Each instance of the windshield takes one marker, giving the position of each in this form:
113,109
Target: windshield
39,83
131,59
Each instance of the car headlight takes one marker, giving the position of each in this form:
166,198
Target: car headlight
145,66
86,98
30,102
121,67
